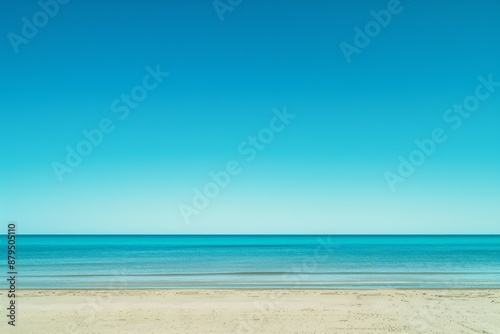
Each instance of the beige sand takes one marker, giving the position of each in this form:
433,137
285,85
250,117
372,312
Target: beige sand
256,311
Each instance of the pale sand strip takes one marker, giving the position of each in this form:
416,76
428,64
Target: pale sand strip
256,311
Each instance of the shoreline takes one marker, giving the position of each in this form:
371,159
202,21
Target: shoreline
256,311
252,289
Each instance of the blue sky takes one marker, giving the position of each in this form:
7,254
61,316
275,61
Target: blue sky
324,173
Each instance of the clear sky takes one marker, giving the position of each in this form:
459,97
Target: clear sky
325,171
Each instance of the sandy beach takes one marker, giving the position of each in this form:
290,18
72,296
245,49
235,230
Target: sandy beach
256,311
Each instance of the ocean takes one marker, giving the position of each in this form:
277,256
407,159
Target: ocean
256,261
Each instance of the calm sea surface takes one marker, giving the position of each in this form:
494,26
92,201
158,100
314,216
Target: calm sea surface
337,262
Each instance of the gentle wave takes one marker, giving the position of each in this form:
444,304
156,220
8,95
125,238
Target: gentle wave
269,273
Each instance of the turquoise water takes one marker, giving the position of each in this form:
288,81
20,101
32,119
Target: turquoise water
337,262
